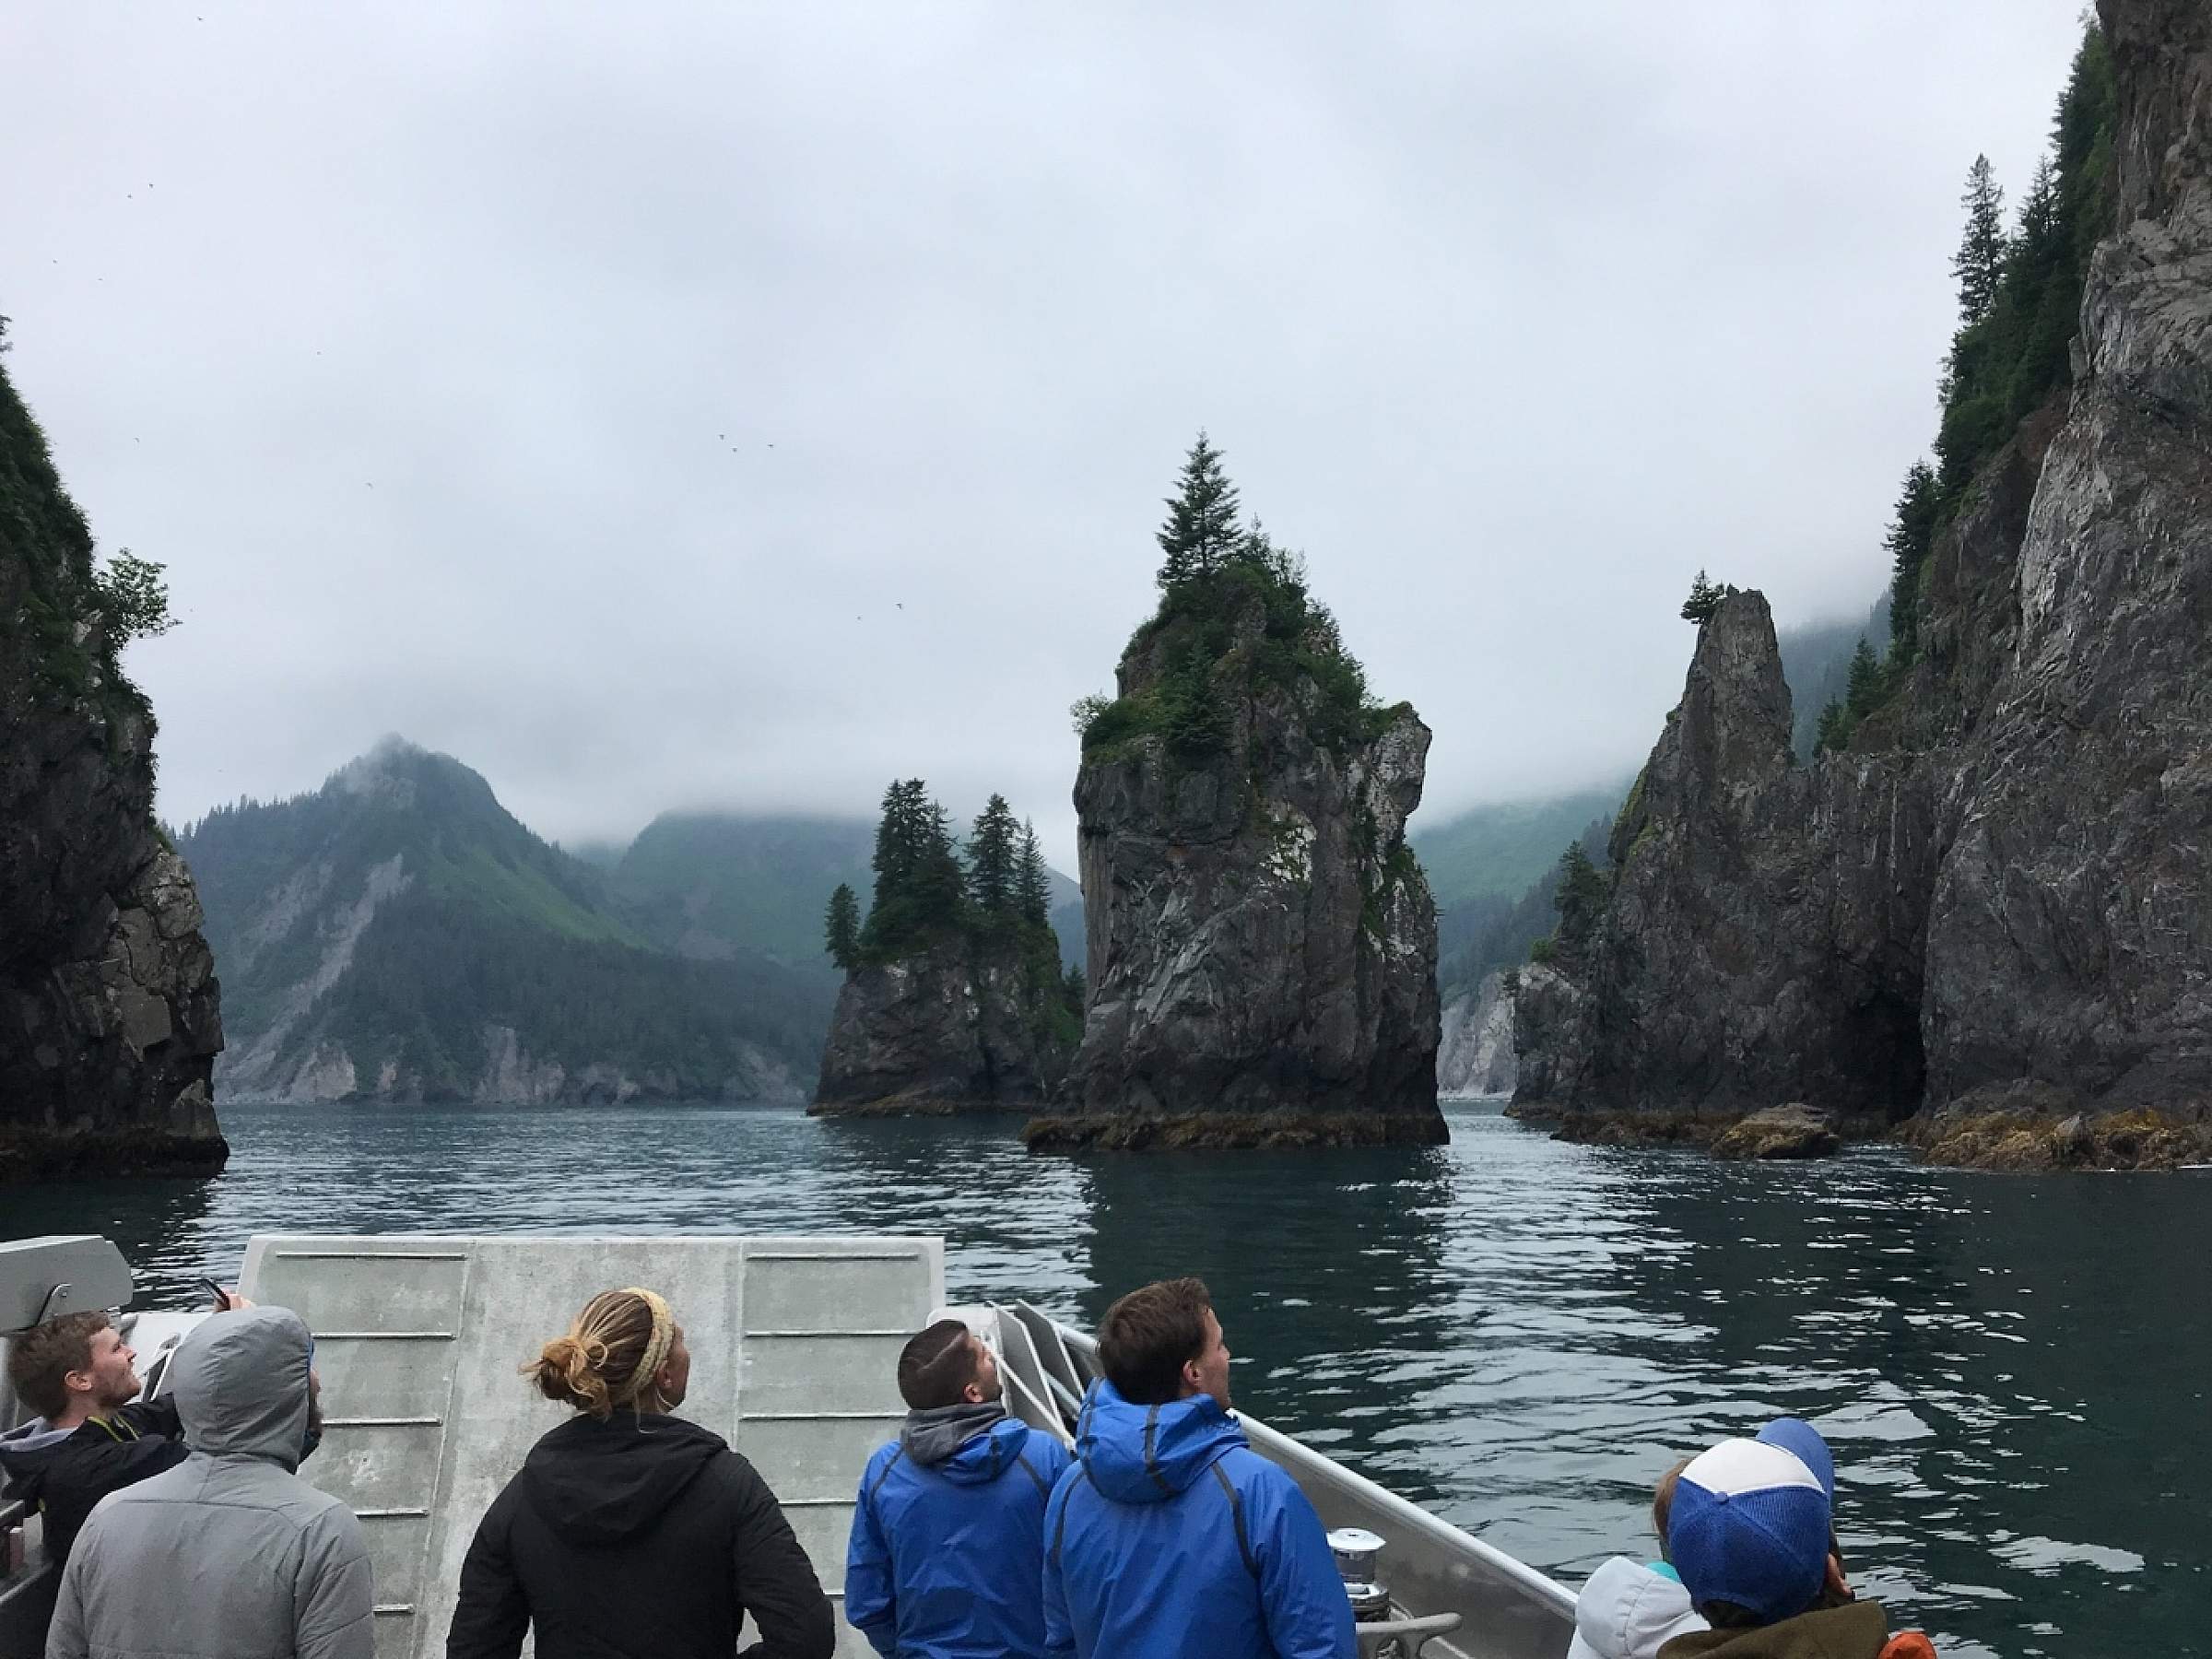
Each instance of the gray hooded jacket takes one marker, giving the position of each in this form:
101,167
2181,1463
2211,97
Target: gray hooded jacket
228,1552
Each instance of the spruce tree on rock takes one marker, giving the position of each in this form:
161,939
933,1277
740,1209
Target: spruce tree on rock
1978,264
1200,534
993,853
1705,600
1033,881
1581,899
1834,730
920,889
1863,691
1911,537
842,927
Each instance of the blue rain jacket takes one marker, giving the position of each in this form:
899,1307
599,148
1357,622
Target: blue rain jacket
944,1559
1171,1538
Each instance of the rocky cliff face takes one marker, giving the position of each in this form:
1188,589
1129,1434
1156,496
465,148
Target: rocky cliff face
109,1014
1475,1053
961,1028
1761,944
2001,899
1262,941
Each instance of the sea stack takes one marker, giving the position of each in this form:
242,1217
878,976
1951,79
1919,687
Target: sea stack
108,1013
1261,942
954,1000
1988,901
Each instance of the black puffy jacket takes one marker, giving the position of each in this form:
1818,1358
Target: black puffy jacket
67,1472
642,1536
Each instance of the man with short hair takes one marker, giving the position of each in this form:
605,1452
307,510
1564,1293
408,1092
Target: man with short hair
1751,1531
92,1435
228,1552
948,1539
1171,1538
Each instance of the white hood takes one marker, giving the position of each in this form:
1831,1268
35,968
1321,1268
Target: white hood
1627,1611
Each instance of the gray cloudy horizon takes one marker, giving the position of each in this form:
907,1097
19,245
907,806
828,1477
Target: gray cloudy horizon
736,407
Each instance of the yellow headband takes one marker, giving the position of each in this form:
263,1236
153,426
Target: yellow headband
656,1350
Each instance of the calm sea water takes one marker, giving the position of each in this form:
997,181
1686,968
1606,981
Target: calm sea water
1518,1333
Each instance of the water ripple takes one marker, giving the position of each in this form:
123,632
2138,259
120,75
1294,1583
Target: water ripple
1517,1332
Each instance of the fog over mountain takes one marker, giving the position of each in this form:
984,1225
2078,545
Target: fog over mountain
736,407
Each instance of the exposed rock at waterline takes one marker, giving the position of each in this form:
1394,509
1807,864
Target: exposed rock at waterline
1780,1132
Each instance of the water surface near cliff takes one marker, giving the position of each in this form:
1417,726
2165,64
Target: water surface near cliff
1519,1334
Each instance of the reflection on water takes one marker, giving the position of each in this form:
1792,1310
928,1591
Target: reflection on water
1518,1333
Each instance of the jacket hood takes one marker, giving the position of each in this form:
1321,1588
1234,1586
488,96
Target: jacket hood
239,1381
24,1452
943,1436
600,1483
985,1454
1150,1454
1627,1610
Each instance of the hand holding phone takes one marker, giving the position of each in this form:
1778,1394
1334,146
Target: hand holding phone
222,1297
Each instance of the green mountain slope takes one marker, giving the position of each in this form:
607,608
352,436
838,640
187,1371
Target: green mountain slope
712,885
398,934
718,883
1498,852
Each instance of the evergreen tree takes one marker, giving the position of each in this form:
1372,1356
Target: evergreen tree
1200,534
1705,600
994,853
920,889
842,927
1834,730
943,885
1581,899
1980,262
1864,689
1032,881
1911,537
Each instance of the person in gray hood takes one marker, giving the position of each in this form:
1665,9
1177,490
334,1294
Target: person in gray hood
229,1552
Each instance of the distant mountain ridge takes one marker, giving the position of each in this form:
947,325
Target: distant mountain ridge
398,934
713,884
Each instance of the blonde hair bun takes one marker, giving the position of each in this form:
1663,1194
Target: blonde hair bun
609,1354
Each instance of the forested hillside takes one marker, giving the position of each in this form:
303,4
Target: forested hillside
398,933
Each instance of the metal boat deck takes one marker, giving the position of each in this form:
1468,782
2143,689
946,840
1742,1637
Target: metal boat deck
420,1340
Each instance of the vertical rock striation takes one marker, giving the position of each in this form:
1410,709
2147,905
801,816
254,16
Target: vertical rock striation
1475,1052
108,1016
1261,940
2000,898
962,1027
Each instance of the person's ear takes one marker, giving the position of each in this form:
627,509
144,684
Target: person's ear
1836,1583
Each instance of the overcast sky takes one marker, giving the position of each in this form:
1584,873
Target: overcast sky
690,404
